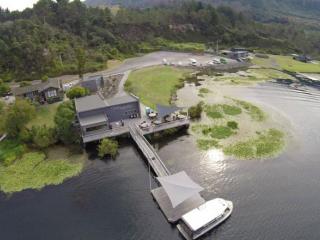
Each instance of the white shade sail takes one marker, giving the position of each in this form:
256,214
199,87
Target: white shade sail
179,187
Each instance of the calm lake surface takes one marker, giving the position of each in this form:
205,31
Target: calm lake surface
274,199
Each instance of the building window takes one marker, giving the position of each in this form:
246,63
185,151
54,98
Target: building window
52,93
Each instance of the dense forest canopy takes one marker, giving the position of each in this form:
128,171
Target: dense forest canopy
306,8
54,36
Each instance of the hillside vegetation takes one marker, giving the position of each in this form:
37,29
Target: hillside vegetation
65,37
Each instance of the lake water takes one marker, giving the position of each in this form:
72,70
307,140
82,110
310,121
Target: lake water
274,199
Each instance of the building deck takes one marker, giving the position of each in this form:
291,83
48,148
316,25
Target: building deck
174,214
121,130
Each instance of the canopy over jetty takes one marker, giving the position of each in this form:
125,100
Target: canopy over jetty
178,195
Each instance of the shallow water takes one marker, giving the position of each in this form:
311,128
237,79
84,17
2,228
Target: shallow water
274,199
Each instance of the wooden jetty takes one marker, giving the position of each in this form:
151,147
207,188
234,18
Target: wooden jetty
153,159
149,152
159,168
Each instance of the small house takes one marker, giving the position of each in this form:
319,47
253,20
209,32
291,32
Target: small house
43,92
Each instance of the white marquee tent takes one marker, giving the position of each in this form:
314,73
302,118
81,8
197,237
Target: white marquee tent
179,187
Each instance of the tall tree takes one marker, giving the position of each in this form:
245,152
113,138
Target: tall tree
18,116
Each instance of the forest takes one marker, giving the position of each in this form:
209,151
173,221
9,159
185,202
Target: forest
68,37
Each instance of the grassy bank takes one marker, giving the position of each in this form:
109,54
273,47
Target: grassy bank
155,84
22,168
286,63
44,116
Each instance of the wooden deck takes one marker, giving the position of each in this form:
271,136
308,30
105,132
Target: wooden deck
121,130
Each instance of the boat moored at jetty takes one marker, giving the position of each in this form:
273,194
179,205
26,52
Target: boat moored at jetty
202,219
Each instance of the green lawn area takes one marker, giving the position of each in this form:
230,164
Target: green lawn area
265,144
286,63
45,115
34,171
155,85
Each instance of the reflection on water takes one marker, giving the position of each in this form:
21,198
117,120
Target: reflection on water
274,199
214,159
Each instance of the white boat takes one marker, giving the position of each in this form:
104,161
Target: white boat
204,218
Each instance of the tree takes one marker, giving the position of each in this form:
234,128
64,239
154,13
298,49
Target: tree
18,116
77,92
64,119
81,60
43,136
196,111
4,88
108,147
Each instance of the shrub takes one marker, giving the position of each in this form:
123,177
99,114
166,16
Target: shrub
108,147
43,136
77,92
196,111
232,125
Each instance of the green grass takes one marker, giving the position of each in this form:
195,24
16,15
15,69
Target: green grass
255,113
33,171
10,151
213,111
289,64
206,144
231,110
204,90
216,111
155,85
286,63
45,115
218,132
266,144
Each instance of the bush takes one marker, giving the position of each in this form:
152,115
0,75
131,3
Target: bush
108,147
232,125
77,92
196,111
43,136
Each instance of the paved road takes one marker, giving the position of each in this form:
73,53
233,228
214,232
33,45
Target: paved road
151,59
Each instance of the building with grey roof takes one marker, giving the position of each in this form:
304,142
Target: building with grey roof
49,91
93,83
96,114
